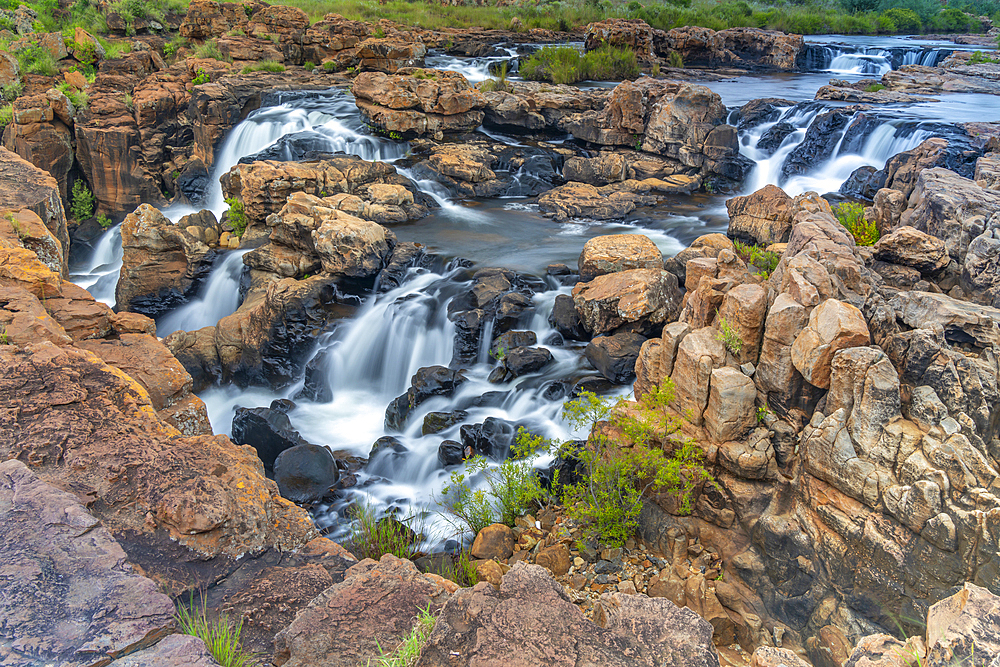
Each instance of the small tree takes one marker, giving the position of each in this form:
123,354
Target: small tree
81,201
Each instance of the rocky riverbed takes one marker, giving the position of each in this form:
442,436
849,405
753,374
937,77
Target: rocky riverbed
317,290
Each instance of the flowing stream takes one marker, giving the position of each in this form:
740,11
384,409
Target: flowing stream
365,362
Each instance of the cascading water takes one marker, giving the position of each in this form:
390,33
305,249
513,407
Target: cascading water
873,61
99,276
218,297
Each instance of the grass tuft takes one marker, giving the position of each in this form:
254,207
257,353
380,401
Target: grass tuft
264,66
852,216
373,537
408,651
222,636
565,64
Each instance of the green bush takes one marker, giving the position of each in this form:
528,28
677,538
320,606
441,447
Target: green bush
729,336
498,83
104,221
36,60
617,473
762,261
264,66
373,537
924,9
210,49
979,58
81,201
906,21
237,217
852,216
565,64
951,20
200,78
12,91
309,66
6,115
171,48
330,66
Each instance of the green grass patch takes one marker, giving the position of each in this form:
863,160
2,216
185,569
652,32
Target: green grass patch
221,636
874,88
852,216
408,651
6,115
762,261
980,58
264,66
210,49
36,60
373,536
565,64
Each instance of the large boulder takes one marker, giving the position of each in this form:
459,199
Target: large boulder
25,186
981,270
306,473
390,55
416,101
531,621
618,252
761,218
833,326
640,299
580,200
747,48
267,430
615,356
699,353
730,412
910,247
98,610
162,265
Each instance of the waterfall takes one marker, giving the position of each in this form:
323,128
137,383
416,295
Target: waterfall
218,298
99,275
867,60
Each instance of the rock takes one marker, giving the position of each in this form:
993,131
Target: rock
885,651
451,453
731,411
531,622
162,265
761,218
821,140
523,360
961,321
833,326
618,252
579,200
536,105
981,270
607,168
887,208
964,627
745,48
425,383
171,651
267,430
632,34
10,73
565,319
909,247
390,54
774,137
903,169
768,656
435,422
492,438
416,101
375,606
194,497
346,245
305,473
555,559
641,299
24,186
987,174
744,308
99,611
495,541
698,354
615,356
863,183
951,208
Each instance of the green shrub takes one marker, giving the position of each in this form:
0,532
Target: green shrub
115,48
885,25
373,537
12,91
78,98
906,20
309,66
762,261
617,474
171,48
408,650
264,66
6,115
222,636
498,83
874,88
237,216
729,337
330,66
675,60
924,9
4,338
460,570
104,221
36,60
565,64
509,488
852,216
81,201
129,102
200,78
951,20
979,58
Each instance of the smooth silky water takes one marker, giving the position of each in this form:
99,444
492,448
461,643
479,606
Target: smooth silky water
369,359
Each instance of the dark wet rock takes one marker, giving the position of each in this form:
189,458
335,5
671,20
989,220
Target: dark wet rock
500,295
556,390
267,430
404,257
566,319
492,438
426,382
435,422
451,453
530,620
593,383
863,183
67,599
507,341
764,110
316,386
615,356
386,443
523,360
772,139
819,143
374,606
306,473
193,181
491,399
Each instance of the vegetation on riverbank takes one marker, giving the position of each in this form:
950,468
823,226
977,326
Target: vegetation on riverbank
565,64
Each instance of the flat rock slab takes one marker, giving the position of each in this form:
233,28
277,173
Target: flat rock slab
172,651
69,597
531,622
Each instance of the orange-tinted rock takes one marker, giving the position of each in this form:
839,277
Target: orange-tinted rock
494,541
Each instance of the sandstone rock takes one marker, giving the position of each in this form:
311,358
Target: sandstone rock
909,247
530,621
536,105
375,605
987,174
24,186
731,411
581,200
960,320
698,354
963,627
390,55
346,245
768,656
172,651
981,269
633,34
203,492
951,208
638,298
493,542
25,228
615,356
9,70
606,168
745,309
761,218
162,265
555,559
833,326
99,611
415,101
886,651
749,48
618,252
